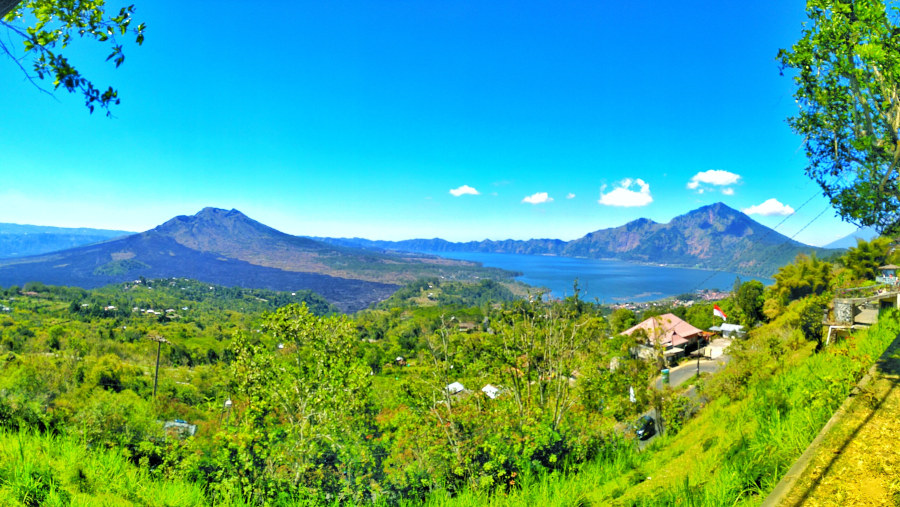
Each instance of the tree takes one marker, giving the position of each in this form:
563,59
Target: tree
622,319
55,24
811,316
804,277
304,408
848,91
749,298
866,257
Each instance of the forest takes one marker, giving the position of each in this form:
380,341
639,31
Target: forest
446,392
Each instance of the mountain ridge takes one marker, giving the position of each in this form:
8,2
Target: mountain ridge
714,236
228,248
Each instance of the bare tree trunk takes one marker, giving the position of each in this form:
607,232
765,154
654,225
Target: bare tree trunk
6,6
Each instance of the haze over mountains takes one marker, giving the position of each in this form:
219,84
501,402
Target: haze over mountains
849,241
18,240
710,237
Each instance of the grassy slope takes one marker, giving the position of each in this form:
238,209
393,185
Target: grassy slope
735,450
52,470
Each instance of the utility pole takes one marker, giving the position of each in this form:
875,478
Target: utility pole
698,356
159,341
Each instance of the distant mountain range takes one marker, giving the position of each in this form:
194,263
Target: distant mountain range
711,237
228,248
849,241
18,240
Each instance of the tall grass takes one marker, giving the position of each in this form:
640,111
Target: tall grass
46,469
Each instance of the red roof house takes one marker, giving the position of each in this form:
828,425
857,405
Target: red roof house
667,330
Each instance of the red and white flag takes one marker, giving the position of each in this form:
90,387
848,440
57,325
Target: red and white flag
719,313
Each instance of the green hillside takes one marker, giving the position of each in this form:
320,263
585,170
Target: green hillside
448,393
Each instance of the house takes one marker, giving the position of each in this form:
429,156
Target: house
668,331
730,330
466,327
491,391
455,388
179,428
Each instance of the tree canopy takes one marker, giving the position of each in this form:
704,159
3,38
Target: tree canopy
47,27
864,259
848,92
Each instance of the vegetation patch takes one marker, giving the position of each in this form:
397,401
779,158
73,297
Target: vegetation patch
120,267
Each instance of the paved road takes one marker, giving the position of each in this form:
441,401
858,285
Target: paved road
681,374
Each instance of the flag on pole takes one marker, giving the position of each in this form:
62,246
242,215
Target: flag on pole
719,313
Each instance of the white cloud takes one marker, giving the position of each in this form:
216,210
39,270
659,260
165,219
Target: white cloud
537,198
463,190
570,196
625,197
714,178
769,208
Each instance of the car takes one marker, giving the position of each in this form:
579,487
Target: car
644,428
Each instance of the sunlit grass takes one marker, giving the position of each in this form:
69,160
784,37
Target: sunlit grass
45,469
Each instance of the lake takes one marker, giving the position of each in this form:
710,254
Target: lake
607,281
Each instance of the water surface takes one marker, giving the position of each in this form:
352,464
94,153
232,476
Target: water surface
605,281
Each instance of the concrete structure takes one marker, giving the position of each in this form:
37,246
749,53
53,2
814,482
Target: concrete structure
863,310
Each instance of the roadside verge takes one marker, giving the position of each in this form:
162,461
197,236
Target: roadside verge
847,446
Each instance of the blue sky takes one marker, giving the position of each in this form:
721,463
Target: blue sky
360,118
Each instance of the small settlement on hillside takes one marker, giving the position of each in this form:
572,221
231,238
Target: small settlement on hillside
676,338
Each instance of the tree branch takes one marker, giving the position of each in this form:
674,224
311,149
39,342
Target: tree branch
29,77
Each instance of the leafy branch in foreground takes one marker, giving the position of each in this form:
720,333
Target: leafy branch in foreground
47,27
848,92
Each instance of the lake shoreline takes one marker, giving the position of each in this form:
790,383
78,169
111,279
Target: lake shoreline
608,281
